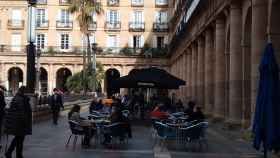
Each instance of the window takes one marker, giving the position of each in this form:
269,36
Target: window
137,2
64,16
16,42
160,42
137,41
64,42
113,16
138,17
41,19
112,41
161,2
161,17
112,2
16,17
40,41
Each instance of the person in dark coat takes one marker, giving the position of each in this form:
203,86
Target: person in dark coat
189,111
56,104
197,115
18,122
2,110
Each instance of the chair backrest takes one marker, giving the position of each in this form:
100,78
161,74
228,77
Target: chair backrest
75,127
196,131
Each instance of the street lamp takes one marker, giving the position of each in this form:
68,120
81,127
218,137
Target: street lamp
94,49
30,48
38,74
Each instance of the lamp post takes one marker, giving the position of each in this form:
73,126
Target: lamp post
94,49
30,48
38,73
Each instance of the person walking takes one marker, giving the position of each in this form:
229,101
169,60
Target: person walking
2,110
18,122
56,104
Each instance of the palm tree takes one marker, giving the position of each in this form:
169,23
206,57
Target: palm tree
84,9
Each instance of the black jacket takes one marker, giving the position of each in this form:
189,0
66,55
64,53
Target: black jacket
2,104
18,120
56,103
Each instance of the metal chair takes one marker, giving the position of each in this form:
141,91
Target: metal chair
76,131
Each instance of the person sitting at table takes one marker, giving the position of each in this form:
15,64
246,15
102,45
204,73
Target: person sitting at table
179,106
159,113
74,115
197,115
96,106
189,111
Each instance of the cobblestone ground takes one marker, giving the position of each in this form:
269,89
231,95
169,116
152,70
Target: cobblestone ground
48,141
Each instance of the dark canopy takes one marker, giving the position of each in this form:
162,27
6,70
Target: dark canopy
149,78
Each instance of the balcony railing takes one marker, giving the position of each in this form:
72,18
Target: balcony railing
137,26
113,3
64,24
42,2
160,27
12,49
113,26
64,2
42,24
103,51
137,3
161,3
16,24
92,26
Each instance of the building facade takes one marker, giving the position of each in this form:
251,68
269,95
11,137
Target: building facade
217,46
129,33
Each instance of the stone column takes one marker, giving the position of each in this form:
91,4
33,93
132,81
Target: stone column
235,67
51,78
185,67
194,71
259,39
189,73
209,72
200,72
219,105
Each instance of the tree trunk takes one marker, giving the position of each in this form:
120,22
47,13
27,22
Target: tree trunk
84,73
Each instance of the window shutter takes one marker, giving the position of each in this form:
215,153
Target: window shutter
155,42
142,17
165,40
130,42
108,15
157,17
46,41
59,41
142,41
164,17
118,16
58,15
70,42
93,16
46,15
118,41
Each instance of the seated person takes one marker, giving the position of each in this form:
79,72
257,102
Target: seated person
117,117
189,111
159,113
197,115
179,106
96,106
74,115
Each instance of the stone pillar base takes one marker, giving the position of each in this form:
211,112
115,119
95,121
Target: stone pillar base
232,125
217,119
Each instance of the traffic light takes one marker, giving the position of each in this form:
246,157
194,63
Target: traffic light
32,2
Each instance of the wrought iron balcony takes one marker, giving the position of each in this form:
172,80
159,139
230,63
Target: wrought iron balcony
160,27
42,24
113,26
64,2
92,26
12,49
137,26
136,3
161,3
64,24
42,2
16,24
113,3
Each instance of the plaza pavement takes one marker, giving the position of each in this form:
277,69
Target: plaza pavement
48,141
